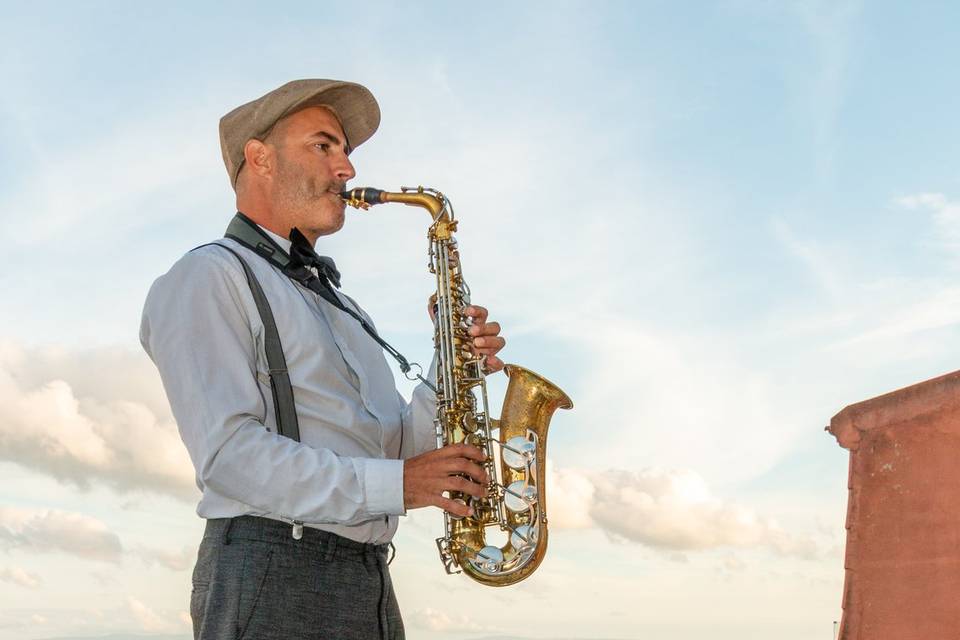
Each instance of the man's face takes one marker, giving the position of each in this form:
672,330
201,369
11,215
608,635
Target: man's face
312,168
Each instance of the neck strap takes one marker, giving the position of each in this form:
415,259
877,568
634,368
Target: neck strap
248,233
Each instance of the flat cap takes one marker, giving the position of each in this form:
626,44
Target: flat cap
353,104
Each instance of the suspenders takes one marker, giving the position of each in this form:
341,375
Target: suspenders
245,232
248,234
286,410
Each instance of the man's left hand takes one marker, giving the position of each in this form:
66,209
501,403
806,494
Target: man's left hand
486,338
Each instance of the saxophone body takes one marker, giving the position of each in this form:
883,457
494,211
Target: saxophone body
515,509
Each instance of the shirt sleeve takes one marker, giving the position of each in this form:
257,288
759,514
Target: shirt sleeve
418,417
196,328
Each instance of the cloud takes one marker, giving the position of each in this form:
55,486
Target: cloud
69,191
174,560
435,620
813,257
148,619
669,510
21,577
832,27
69,430
946,216
678,401
891,310
939,309
59,531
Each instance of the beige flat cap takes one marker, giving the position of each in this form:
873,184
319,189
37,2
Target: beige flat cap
352,103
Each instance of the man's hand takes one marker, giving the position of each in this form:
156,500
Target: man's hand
428,475
486,338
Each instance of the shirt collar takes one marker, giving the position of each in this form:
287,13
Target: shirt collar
280,240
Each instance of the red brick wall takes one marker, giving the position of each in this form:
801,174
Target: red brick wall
902,579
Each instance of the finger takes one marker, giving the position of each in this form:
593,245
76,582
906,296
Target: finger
464,450
494,364
485,329
490,342
478,313
452,506
462,465
461,484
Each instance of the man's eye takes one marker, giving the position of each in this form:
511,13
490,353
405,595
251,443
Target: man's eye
323,146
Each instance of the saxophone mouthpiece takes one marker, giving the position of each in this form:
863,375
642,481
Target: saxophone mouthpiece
362,197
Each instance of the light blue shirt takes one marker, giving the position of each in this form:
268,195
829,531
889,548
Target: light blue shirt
202,329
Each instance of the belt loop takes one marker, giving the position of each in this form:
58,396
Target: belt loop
226,531
393,553
331,542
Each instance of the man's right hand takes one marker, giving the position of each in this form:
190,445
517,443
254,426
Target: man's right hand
428,475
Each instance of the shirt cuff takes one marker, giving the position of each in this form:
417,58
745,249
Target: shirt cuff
383,486
432,369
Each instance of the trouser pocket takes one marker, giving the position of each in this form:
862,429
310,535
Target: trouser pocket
257,558
202,575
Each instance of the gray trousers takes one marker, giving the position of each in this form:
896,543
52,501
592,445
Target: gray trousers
253,581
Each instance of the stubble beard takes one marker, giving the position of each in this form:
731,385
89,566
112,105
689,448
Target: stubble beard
307,200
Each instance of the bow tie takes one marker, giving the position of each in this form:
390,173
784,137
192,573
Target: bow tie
303,255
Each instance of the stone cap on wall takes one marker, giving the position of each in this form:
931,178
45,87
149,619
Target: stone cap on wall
926,398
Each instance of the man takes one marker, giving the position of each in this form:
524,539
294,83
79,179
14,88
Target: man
364,455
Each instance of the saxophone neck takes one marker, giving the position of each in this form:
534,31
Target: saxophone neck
431,200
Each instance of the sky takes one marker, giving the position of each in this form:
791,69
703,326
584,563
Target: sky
713,224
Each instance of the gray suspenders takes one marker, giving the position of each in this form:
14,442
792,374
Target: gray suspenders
286,410
245,232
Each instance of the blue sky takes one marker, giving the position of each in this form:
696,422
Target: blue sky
713,224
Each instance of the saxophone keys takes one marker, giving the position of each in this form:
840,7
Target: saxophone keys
518,452
519,496
523,537
489,559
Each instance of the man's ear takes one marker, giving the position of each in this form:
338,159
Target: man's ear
259,157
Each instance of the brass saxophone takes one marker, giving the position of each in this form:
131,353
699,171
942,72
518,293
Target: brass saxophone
516,498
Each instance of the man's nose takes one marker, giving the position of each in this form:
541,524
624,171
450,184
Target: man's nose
344,169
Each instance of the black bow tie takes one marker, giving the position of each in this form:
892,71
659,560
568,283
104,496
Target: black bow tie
303,255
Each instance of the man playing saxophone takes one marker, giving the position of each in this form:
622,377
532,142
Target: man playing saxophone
298,531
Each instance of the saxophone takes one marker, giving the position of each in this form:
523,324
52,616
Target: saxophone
515,505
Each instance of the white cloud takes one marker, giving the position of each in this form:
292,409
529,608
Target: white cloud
149,620
95,184
180,560
881,314
940,308
436,620
822,89
733,564
669,510
45,531
97,436
677,401
569,497
21,577
946,215
814,258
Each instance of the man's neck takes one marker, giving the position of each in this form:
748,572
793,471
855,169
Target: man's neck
264,217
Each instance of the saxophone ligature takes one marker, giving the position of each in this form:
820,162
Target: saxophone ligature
515,505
